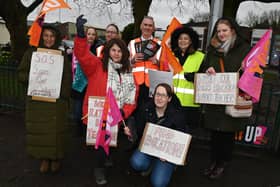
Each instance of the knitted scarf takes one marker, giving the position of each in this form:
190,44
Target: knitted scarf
223,46
122,84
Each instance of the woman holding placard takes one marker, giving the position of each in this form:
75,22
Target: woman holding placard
225,54
163,112
46,122
184,44
113,71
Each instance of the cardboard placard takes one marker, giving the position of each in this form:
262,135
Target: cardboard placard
45,75
95,109
157,77
220,88
165,143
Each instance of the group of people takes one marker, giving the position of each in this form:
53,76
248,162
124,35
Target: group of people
124,69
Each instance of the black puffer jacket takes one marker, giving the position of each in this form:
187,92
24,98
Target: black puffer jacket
173,118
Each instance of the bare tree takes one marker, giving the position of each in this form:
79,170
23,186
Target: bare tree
270,18
14,13
252,19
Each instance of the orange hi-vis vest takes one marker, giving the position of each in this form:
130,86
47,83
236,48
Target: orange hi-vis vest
141,69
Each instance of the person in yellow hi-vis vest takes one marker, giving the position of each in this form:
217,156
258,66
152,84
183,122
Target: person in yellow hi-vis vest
184,44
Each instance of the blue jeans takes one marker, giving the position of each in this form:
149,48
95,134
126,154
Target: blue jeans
161,171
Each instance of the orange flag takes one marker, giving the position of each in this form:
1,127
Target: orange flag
36,27
50,5
35,31
167,57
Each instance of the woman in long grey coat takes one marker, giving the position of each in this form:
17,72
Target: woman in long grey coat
229,48
46,122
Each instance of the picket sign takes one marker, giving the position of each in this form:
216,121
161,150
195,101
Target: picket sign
165,143
95,109
220,88
45,75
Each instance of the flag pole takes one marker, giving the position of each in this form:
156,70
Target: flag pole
123,122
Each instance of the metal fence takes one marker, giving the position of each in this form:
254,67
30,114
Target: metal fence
11,91
265,118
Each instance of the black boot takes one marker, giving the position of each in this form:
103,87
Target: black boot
209,170
99,174
218,171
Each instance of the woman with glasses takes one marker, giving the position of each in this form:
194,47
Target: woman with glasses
163,112
112,31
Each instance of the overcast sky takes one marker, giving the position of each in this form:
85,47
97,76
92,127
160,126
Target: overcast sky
161,10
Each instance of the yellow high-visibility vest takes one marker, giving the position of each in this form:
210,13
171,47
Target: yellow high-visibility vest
185,89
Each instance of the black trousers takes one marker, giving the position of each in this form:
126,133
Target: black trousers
222,144
192,115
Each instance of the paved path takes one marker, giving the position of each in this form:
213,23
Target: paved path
17,169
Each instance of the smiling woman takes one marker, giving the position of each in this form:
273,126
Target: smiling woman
112,71
46,122
162,112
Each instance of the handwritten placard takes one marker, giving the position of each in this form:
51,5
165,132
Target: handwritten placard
220,88
157,77
95,109
45,75
165,143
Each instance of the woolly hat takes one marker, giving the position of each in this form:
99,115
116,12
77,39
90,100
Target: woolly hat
186,30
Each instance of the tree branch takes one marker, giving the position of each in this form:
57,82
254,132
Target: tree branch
33,6
109,2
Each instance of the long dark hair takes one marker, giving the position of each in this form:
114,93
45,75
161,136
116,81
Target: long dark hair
125,55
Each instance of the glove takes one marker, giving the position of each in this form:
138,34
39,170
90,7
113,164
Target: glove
80,26
189,76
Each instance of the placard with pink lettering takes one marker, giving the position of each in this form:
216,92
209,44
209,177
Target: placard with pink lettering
95,109
165,143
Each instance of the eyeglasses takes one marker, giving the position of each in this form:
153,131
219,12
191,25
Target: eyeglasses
111,32
161,95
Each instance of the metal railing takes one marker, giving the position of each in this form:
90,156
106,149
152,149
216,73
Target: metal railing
11,91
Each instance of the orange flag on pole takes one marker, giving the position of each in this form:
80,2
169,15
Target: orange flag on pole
35,31
167,57
50,5
36,27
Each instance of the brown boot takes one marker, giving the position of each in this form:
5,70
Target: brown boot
55,166
44,166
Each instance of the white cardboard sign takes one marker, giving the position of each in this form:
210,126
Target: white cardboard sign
157,77
95,109
45,75
165,143
220,88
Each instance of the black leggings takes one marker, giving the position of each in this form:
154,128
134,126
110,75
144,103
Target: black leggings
222,144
